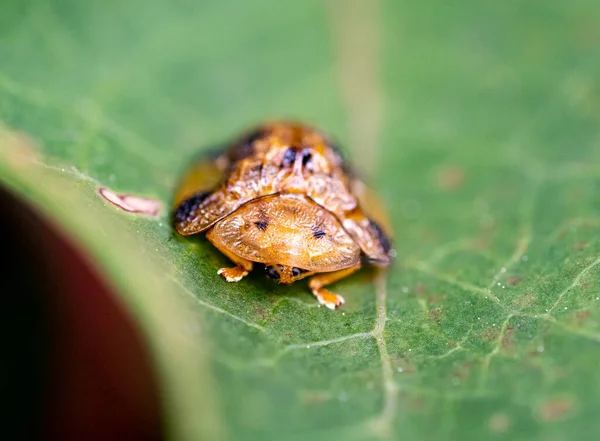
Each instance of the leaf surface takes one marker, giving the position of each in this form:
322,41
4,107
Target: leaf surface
477,123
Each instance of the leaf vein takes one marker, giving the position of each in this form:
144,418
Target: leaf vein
574,284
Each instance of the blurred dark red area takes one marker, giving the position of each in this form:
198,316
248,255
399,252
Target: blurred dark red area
73,366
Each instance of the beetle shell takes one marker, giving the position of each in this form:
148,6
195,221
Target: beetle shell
288,229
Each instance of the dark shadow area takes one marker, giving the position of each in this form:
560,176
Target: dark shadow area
73,365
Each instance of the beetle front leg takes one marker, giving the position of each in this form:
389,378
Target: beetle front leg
238,272
324,296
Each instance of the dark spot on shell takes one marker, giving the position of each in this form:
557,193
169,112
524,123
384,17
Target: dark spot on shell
240,152
186,210
381,236
319,234
307,159
245,146
291,209
253,173
289,157
335,147
343,159
261,225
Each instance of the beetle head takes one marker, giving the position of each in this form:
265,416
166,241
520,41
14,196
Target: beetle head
285,274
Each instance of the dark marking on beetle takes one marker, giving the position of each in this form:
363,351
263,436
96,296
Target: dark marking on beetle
318,234
245,146
335,146
381,236
262,225
307,159
342,159
291,210
289,157
254,173
186,210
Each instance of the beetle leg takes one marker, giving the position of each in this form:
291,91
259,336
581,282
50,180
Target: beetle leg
324,296
238,272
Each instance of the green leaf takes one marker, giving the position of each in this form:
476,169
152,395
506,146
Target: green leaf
478,122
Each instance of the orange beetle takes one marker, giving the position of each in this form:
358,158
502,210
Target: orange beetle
282,196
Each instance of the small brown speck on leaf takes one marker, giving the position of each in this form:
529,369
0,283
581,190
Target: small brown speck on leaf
482,243
314,397
261,312
435,314
514,280
489,334
450,178
556,408
499,423
507,339
436,298
582,314
528,298
416,403
580,246
419,290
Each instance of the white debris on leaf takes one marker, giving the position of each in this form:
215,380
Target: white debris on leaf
130,203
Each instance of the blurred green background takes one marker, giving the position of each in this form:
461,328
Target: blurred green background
477,122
